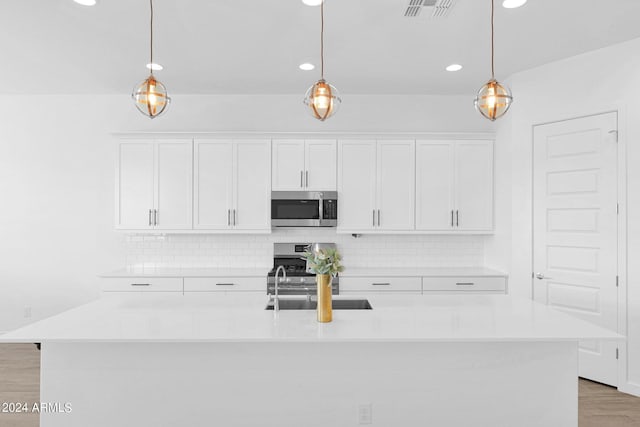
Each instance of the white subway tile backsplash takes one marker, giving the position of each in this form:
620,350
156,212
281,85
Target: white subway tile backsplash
256,251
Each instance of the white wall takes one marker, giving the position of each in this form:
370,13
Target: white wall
57,161
591,83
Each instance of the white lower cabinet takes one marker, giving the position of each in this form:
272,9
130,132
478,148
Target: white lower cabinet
464,284
381,284
143,284
225,284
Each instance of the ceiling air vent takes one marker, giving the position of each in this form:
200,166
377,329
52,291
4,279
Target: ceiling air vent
440,8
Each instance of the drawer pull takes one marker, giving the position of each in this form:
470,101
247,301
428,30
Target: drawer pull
224,284
141,284
465,284
381,284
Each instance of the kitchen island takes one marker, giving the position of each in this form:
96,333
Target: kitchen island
211,359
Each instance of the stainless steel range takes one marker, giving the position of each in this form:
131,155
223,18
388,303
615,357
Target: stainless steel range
299,280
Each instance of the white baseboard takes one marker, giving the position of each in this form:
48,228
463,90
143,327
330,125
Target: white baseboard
630,388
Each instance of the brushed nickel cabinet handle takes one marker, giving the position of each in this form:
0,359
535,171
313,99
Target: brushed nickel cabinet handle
457,219
374,217
301,179
306,178
381,284
141,284
452,217
155,217
150,217
228,217
465,284
224,284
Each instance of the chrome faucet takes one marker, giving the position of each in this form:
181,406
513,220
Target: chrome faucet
276,303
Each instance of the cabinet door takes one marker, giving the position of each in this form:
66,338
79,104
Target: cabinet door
396,185
213,184
135,185
288,165
252,186
174,189
434,185
474,185
320,165
356,185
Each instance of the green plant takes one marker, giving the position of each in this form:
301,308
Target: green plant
324,261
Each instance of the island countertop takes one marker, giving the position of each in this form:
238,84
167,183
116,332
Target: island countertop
243,318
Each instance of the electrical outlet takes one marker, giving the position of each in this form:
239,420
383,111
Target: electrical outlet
365,415
27,312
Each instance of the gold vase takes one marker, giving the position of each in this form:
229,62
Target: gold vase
324,297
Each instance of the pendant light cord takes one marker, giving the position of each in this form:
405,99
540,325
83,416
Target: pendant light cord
151,40
322,40
492,49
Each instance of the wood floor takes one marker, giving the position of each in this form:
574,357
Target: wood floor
599,405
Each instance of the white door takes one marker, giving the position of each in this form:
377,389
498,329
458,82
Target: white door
213,184
474,185
174,191
395,185
434,185
252,186
135,185
575,229
356,185
320,165
288,165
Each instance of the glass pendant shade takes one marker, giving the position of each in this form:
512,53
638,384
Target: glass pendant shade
151,97
323,100
493,100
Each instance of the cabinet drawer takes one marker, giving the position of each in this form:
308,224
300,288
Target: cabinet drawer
464,284
380,284
223,284
142,284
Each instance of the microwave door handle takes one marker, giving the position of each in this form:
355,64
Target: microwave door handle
320,207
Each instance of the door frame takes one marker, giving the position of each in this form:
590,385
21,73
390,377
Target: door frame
621,111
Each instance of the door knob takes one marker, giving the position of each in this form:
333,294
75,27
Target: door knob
541,276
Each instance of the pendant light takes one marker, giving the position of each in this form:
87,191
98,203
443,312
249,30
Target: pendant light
322,99
151,96
493,99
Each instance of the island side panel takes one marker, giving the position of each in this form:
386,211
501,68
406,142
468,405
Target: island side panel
311,384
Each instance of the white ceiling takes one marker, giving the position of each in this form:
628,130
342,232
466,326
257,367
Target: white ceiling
255,46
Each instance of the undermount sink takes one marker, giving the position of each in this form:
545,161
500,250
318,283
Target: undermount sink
306,304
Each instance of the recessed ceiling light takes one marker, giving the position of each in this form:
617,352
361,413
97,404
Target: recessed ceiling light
454,67
86,2
512,4
155,67
312,2
306,66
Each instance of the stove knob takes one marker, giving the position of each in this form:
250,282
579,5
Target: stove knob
302,280
288,279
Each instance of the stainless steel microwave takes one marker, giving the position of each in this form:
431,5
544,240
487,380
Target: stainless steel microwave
304,208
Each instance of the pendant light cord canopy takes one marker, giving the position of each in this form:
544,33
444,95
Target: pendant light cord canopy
150,96
322,98
493,99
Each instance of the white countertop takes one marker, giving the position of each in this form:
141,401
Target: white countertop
348,272
422,271
187,272
242,318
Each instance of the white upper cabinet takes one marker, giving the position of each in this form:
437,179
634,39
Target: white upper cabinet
304,165
376,185
474,185
154,188
231,185
454,186
356,185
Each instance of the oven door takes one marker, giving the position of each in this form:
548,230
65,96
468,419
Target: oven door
295,209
